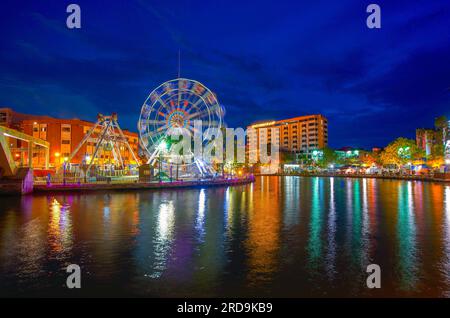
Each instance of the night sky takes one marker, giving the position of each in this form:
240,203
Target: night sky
264,60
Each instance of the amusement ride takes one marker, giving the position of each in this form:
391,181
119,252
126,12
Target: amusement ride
185,108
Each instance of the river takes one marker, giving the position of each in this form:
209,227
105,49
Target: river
278,237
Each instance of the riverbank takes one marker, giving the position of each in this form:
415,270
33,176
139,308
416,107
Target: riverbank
88,187
376,176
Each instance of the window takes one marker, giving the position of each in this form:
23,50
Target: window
65,129
65,142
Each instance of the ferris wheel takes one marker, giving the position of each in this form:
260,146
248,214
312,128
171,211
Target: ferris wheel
178,104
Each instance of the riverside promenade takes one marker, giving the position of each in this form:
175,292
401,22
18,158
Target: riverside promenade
438,177
88,187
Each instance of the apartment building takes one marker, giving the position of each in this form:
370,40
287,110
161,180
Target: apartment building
426,139
302,134
64,135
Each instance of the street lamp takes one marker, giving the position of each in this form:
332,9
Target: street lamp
161,147
64,170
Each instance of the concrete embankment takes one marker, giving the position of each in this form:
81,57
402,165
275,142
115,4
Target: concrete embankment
87,187
20,183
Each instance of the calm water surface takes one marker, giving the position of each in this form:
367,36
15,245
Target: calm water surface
281,236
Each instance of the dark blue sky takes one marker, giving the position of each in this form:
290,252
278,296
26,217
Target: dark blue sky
264,60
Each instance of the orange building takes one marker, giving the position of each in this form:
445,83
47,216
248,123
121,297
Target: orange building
300,134
64,135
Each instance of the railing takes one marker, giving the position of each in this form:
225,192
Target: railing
122,184
76,179
392,175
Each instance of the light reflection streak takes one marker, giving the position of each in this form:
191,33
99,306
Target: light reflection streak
372,206
263,241
357,242
59,228
164,237
291,202
315,227
228,211
365,225
200,220
406,237
331,255
349,209
445,267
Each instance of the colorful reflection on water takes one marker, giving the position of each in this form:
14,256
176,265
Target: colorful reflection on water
281,236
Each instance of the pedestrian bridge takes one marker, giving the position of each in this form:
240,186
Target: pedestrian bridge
9,154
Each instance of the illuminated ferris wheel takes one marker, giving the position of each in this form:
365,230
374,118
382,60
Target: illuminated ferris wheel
177,105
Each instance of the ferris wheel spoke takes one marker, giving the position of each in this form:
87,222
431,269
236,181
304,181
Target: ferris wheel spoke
151,135
160,113
161,128
184,105
195,105
179,96
198,114
152,122
164,104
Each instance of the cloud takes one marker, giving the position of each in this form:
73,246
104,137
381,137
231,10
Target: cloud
270,61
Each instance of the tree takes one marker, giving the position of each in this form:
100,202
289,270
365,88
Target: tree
400,152
440,124
287,156
328,157
304,159
369,158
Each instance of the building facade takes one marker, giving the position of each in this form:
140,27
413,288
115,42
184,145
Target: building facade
64,135
426,139
303,134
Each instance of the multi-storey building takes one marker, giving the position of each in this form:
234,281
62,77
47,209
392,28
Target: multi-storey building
64,135
302,134
425,139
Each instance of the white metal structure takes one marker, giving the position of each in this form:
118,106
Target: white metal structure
109,137
177,105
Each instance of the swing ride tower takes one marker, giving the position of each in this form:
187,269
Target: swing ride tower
108,137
